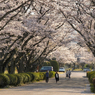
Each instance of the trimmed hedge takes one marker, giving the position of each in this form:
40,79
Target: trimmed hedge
91,77
42,75
22,78
31,76
55,65
34,76
51,74
13,79
4,80
25,77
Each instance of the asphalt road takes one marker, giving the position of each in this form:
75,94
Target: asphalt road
77,85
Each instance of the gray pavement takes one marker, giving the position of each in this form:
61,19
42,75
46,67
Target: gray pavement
77,85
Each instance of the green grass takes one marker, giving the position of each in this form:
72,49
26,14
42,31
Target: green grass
77,70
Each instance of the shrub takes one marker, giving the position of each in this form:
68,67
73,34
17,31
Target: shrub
87,66
36,77
87,73
4,80
55,65
49,64
13,79
92,88
42,75
31,75
90,75
91,78
20,79
26,77
93,81
53,58
51,74
46,63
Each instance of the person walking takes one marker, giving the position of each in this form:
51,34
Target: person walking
56,76
47,76
69,73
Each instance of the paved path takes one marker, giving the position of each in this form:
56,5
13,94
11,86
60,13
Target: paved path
77,85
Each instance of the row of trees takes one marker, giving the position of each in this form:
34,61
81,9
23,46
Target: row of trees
81,65
79,14
25,43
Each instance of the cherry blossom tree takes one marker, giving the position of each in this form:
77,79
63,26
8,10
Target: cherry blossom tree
25,42
79,14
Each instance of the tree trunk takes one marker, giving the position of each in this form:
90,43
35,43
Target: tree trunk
21,66
74,65
27,67
12,67
9,69
94,63
1,69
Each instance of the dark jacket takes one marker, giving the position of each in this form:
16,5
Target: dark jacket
47,74
57,76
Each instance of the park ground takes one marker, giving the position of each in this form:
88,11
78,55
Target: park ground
77,85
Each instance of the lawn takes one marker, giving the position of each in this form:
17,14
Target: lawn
77,70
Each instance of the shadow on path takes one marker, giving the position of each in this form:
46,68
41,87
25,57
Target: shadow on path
65,83
75,85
